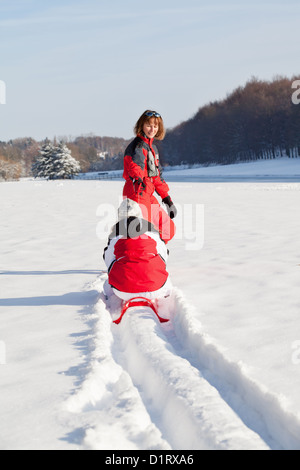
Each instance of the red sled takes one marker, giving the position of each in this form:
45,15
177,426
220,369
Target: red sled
139,302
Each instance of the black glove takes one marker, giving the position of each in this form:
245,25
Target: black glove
171,208
139,184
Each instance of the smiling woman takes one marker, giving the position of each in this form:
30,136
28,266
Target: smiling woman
143,174
151,124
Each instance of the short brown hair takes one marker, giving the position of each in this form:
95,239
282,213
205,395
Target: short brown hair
138,128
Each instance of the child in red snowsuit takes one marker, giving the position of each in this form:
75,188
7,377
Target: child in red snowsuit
143,175
136,257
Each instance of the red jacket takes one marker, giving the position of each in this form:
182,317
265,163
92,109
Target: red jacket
141,160
136,264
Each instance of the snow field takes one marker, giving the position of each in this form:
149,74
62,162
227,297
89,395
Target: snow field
118,418
72,379
278,168
191,392
260,409
188,410
146,395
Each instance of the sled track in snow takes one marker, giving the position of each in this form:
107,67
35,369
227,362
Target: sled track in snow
169,386
186,409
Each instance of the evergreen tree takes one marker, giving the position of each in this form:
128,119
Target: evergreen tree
42,166
64,166
55,162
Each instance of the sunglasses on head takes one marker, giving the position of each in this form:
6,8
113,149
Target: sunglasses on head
152,113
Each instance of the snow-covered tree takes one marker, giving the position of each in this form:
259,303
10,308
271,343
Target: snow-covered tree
64,165
42,166
55,162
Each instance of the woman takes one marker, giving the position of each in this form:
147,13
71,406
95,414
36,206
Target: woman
143,174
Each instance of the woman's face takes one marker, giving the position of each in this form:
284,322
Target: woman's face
150,128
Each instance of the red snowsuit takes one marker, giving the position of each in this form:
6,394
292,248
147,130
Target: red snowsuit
141,160
136,264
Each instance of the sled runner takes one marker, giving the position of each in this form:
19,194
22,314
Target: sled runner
139,302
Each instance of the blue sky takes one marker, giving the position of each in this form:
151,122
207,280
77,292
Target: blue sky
73,67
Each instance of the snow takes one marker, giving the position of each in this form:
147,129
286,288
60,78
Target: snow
276,168
223,373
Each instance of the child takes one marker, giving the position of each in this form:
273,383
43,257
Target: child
143,174
136,257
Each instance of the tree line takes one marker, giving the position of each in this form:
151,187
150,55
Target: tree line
256,121
93,153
